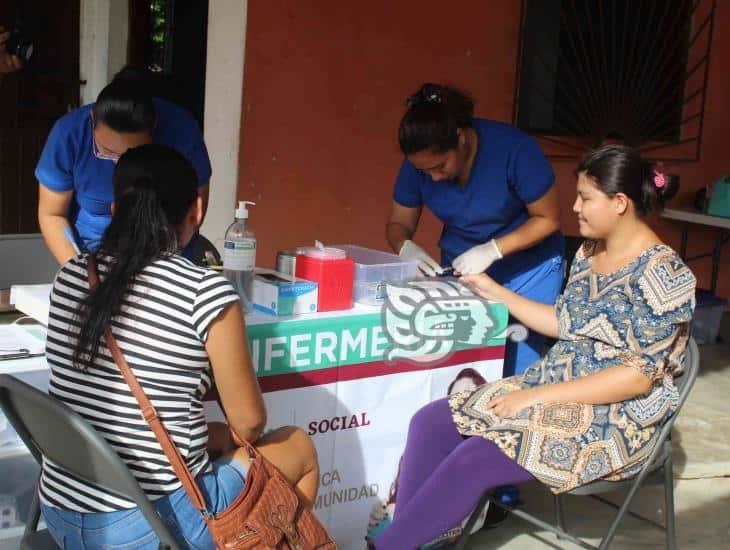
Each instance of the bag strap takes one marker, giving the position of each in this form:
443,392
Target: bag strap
149,413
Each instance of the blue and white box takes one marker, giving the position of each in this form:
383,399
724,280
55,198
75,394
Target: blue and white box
281,294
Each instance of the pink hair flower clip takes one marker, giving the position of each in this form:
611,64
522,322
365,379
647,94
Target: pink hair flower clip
659,179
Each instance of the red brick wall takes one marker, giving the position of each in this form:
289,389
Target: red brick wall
324,88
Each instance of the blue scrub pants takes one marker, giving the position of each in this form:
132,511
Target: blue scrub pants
541,284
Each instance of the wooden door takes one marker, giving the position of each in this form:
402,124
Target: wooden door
32,99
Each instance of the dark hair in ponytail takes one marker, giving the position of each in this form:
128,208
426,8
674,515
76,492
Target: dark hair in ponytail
434,115
620,169
125,104
154,188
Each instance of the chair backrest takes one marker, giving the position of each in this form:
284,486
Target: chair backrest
690,371
49,428
684,383
572,244
663,446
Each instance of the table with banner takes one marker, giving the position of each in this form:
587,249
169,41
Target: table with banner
352,381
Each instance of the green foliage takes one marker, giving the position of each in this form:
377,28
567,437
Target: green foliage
158,24
157,14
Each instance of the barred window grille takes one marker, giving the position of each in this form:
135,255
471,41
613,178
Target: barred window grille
592,71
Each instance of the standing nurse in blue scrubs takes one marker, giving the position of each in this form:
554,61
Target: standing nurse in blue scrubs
492,188
76,166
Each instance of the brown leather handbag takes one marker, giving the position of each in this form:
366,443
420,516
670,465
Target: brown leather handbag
267,513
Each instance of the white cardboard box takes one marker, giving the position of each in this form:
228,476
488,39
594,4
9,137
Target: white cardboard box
33,300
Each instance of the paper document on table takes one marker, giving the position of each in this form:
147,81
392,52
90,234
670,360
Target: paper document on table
16,342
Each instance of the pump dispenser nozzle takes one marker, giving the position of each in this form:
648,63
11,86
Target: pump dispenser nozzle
242,211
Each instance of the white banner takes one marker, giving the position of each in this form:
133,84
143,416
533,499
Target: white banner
359,428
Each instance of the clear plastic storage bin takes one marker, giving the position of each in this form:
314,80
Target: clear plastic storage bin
374,268
707,317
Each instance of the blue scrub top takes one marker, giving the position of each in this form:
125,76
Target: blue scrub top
509,172
67,163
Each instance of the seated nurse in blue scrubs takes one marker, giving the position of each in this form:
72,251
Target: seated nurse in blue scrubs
492,188
76,166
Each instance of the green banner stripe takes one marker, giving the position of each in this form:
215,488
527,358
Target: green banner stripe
303,345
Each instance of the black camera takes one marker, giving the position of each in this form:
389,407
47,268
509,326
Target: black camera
19,45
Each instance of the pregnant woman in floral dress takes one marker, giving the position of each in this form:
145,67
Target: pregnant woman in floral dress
593,407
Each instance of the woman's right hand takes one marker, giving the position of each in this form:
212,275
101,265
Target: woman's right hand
534,315
482,285
53,211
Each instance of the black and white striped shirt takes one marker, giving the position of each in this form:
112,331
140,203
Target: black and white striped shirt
161,331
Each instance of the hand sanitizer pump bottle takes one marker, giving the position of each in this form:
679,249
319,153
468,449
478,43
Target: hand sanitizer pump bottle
239,255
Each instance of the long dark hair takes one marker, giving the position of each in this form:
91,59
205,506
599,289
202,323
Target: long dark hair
433,116
620,169
125,104
154,188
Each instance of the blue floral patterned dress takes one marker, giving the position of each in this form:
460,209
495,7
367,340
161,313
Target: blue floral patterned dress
638,316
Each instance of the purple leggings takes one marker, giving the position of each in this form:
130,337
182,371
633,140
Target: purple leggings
442,477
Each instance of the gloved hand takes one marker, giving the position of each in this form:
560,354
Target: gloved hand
478,258
426,264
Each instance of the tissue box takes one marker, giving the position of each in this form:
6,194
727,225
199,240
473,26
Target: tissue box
280,294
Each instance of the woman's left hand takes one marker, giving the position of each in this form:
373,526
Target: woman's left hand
509,404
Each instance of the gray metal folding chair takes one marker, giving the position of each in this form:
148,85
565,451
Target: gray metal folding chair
660,461
50,428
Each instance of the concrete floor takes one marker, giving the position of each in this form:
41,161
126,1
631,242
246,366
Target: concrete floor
702,482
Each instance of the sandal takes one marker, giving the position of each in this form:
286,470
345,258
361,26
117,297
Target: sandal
381,516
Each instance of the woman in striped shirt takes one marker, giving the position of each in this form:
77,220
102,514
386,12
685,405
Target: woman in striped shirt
179,327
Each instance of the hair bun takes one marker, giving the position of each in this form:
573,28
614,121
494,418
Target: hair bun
435,113
428,93
666,186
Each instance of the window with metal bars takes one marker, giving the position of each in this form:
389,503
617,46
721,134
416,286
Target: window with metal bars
592,71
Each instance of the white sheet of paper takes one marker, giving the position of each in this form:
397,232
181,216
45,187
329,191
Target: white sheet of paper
14,338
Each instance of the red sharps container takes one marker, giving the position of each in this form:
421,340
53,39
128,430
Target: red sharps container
333,272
